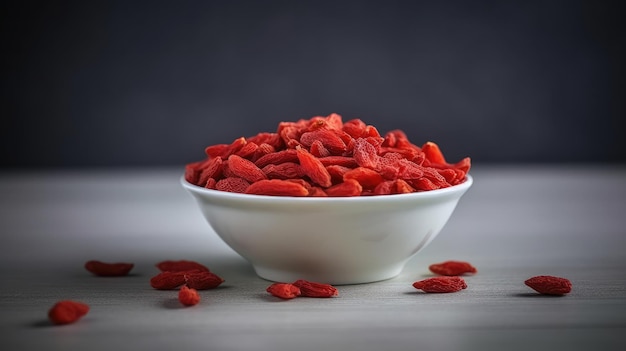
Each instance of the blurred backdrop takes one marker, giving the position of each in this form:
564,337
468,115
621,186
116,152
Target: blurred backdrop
151,83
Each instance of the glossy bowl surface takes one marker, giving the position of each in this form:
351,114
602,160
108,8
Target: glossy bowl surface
335,240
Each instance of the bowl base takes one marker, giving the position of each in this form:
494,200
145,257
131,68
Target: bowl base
333,278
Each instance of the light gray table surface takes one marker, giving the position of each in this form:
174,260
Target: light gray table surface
515,222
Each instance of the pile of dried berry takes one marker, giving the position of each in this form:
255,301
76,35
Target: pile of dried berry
323,156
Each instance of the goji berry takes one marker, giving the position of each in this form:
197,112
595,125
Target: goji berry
180,266
355,128
443,284
188,296
336,173
314,289
202,280
234,147
226,172
365,153
302,182
400,186
245,169
284,290
314,123
389,139
216,150
211,183
317,192
410,154
318,149
225,150
289,133
367,177
348,187
313,168
385,188
262,150
402,140
286,170
232,185
277,187
213,169
105,269
449,174
334,121
423,184
344,161
435,177
464,165
549,285
328,138
388,171
433,153
67,311
372,132
193,170
277,157
452,268
247,150
167,280
408,170
269,139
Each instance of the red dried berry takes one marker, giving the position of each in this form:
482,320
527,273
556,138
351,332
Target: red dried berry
349,187
328,138
433,153
277,158
286,170
443,284
104,269
452,268
284,290
365,153
549,285
400,186
188,296
277,187
232,185
67,311
245,169
338,161
167,280
313,289
202,280
248,150
212,169
368,178
180,265
313,168
385,188
318,149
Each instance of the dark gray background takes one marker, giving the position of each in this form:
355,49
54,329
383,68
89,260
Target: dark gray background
140,84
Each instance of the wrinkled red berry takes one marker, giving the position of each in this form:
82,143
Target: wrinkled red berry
549,285
443,284
67,311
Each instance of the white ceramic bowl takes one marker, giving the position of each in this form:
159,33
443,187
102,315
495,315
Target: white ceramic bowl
335,240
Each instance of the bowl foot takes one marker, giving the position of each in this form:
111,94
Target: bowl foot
334,278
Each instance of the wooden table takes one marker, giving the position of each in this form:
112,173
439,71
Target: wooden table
514,223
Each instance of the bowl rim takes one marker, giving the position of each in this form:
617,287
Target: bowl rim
455,189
